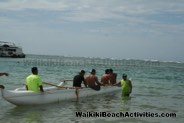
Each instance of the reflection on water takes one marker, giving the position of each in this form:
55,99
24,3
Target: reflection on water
125,103
64,111
23,115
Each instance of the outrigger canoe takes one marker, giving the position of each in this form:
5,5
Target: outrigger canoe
56,94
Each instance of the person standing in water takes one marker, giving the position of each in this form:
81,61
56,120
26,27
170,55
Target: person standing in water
77,80
113,76
126,85
105,79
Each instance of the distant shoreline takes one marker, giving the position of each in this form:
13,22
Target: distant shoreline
85,57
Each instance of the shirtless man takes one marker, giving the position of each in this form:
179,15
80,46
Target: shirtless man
106,77
92,80
113,76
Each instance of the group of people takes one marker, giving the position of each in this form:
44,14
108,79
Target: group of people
34,82
91,80
108,78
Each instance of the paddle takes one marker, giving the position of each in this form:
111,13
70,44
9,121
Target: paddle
66,80
48,83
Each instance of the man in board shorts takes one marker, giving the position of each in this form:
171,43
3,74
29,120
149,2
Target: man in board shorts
78,79
92,80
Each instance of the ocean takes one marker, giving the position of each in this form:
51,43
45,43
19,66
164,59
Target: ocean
158,90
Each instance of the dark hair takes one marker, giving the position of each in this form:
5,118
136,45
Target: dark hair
124,75
107,71
82,71
93,70
34,69
111,70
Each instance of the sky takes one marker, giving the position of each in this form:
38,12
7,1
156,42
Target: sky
121,29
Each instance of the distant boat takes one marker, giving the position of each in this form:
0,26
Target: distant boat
9,49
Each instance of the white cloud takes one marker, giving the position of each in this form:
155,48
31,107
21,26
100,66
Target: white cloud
31,4
116,20
96,10
131,13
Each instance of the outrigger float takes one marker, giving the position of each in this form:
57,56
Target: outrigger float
59,93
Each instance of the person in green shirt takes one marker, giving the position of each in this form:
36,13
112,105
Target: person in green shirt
34,82
126,85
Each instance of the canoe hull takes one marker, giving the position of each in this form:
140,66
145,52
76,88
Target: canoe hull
52,95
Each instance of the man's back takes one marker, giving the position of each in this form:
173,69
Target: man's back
91,80
113,77
33,83
105,79
78,80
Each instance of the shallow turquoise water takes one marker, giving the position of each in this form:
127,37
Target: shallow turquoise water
158,87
